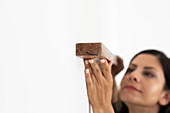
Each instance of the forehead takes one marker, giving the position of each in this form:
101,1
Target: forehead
148,60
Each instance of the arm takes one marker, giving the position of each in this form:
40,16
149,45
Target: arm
106,109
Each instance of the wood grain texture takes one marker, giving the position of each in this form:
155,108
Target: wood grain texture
93,50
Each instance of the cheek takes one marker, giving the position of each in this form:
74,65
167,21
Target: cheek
151,93
150,88
124,79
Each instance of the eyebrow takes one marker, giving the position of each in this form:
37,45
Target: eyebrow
147,67
150,68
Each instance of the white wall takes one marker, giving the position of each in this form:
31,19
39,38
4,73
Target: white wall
39,72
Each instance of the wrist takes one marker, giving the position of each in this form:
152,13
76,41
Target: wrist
103,109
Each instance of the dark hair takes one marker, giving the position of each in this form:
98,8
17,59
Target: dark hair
165,63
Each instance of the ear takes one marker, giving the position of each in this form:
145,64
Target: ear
165,98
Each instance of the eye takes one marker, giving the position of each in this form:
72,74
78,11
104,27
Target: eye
129,70
148,74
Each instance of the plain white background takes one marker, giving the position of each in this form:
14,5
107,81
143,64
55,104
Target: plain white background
39,72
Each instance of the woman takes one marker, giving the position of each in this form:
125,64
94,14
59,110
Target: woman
145,87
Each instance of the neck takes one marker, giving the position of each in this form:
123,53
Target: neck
143,109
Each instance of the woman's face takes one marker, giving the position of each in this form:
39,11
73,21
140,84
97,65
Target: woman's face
143,82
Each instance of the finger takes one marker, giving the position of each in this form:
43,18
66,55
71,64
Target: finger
117,68
88,78
96,71
87,66
106,69
94,80
120,60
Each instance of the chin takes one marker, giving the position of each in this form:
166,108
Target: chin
129,97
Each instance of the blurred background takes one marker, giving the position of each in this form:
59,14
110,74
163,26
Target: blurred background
39,72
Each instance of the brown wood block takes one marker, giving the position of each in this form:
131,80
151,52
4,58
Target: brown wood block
93,50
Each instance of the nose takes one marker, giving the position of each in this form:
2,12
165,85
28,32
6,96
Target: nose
134,76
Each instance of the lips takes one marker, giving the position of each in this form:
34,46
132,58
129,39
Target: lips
132,88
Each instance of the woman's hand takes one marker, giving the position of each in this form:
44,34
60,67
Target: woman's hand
117,68
99,82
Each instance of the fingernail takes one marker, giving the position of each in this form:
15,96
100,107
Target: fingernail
86,62
87,70
102,60
91,61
